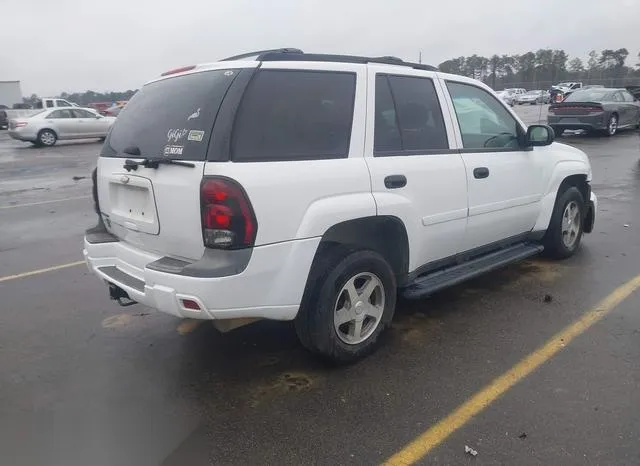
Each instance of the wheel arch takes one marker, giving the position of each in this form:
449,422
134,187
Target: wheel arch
385,234
566,178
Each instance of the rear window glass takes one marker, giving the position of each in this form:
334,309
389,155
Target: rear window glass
295,115
589,95
170,118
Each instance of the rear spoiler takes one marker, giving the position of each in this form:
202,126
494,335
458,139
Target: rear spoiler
577,104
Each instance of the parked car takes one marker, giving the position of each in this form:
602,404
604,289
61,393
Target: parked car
598,109
115,110
4,121
516,90
507,97
100,107
533,97
293,186
50,125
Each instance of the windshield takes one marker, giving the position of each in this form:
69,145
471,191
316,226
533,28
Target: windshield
172,117
589,95
534,92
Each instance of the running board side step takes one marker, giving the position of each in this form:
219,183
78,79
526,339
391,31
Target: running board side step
425,285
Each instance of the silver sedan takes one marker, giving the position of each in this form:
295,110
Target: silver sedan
51,125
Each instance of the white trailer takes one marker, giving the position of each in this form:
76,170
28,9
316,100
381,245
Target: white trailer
10,93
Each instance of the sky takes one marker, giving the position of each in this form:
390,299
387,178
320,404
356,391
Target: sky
53,46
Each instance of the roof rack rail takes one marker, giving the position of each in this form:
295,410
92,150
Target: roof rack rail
295,55
262,52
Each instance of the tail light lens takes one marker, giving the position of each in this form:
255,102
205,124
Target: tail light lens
228,221
20,124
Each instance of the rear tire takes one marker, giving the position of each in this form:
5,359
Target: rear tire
612,126
564,233
349,301
47,137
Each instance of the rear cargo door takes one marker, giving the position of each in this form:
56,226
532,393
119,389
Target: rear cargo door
156,206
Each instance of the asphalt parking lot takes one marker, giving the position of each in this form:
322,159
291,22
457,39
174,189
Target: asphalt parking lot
85,382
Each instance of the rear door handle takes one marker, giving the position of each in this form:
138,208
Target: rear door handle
480,172
395,181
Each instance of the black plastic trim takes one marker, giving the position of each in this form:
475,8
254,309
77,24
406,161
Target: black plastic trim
466,256
122,277
495,149
99,234
214,263
291,56
220,144
413,153
260,53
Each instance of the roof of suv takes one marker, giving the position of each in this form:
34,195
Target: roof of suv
293,54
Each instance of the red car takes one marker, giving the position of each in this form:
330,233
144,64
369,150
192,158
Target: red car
100,107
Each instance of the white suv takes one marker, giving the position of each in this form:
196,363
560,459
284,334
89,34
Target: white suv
291,186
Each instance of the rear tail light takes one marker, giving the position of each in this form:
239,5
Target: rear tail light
20,124
228,221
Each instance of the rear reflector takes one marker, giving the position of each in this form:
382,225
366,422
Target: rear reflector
190,304
178,70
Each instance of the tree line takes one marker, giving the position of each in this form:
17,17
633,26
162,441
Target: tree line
544,67
86,98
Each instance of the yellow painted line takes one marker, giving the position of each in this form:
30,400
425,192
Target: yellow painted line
188,326
44,202
38,272
427,441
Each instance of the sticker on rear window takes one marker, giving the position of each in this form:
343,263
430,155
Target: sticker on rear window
194,115
195,135
173,150
174,135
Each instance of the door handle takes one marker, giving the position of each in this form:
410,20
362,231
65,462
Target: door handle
395,181
480,172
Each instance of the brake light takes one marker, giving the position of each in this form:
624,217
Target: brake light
228,220
178,70
21,124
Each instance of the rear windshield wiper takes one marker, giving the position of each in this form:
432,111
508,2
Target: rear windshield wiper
154,163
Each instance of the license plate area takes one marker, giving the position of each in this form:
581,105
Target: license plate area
132,203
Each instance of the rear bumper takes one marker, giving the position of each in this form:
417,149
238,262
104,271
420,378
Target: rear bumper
270,286
21,135
591,122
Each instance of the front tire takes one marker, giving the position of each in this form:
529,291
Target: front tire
349,302
47,137
564,234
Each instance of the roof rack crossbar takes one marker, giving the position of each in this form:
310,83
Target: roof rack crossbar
291,55
259,53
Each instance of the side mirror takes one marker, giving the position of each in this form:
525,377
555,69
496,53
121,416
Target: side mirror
98,117
539,135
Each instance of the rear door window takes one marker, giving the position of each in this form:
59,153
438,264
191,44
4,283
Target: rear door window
295,115
172,117
61,114
408,117
79,113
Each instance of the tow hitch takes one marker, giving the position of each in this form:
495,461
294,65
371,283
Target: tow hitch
120,296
